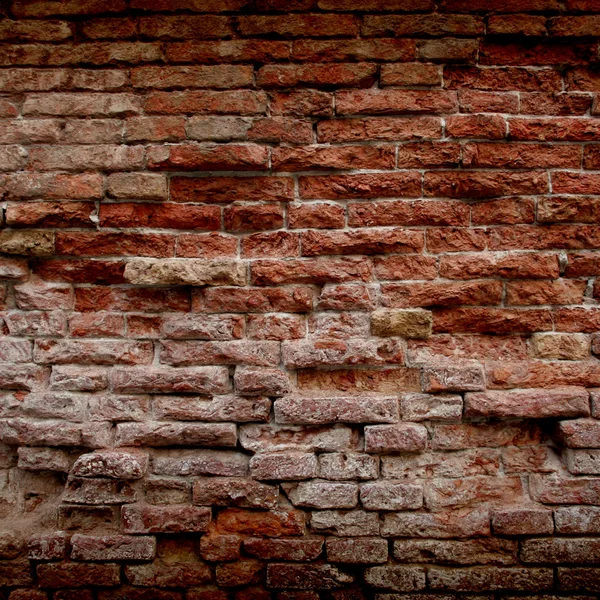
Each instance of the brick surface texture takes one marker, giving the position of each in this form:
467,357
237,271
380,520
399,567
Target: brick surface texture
299,300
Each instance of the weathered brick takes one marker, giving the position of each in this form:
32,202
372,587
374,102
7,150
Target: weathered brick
290,466
539,404
320,577
169,380
86,547
402,437
185,272
323,495
358,550
341,467
397,578
176,434
314,410
302,354
273,438
274,523
165,574
462,463
114,464
164,519
345,523
522,521
403,323
60,575
298,549
478,551
220,408
461,523
491,578
390,495
244,493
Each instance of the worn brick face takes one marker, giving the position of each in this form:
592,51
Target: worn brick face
298,300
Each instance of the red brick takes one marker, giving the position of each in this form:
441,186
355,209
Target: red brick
395,102
273,523
513,266
519,24
276,327
374,5
491,578
81,271
97,325
498,79
51,186
407,213
79,158
155,129
242,102
539,404
230,189
211,245
160,216
412,266
540,374
456,240
221,77
422,25
253,217
144,299
549,129
315,215
448,50
353,50
182,27
491,320
294,299
543,53
361,242
51,214
474,101
97,53
477,126
484,184
369,185
210,6
529,237
188,157
111,28
59,575
252,50
508,211
404,295
311,25
35,31
461,523
545,292
107,244
555,104
378,129
164,519
411,74
338,75
582,79
311,158
78,105
314,353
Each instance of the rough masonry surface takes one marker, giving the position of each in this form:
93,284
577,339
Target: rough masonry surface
299,299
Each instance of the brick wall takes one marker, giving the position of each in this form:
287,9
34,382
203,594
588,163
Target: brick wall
299,299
